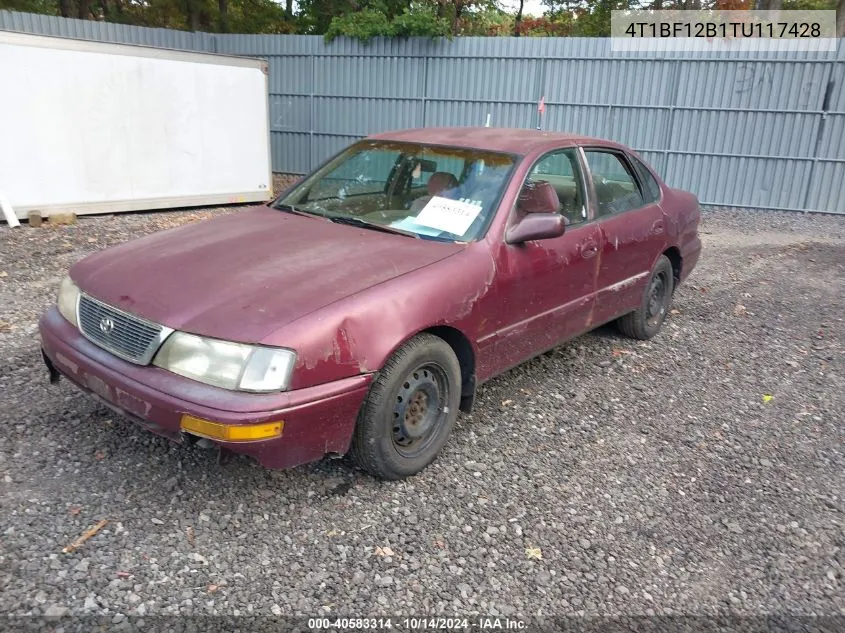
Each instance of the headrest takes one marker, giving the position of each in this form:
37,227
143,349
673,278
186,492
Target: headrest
537,197
441,181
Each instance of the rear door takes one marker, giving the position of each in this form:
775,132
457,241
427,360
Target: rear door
633,232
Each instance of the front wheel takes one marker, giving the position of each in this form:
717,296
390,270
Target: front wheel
410,410
646,321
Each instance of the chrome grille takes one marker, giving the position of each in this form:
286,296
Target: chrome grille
130,337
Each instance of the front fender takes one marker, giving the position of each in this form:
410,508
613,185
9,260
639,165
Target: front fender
357,335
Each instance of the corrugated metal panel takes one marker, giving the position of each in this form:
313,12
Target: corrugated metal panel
760,133
751,85
102,31
483,79
369,77
290,113
588,120
832,143
740,181
446,113
364,116
641,128
266,45
620,82
737,128
291,150
837,96
827,188
291,75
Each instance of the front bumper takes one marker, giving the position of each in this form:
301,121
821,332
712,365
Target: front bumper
317,420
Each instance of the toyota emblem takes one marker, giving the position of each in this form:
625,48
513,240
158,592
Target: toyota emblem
106,325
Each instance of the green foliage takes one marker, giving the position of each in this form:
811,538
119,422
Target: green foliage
360,25
45,7
420,22
488,20
376,21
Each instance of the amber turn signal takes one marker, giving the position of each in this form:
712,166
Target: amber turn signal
231,432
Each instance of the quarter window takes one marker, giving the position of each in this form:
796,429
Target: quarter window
651,190
616,188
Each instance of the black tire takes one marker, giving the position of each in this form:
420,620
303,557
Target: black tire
646,321
400,429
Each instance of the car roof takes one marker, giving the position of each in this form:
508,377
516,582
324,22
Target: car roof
520,141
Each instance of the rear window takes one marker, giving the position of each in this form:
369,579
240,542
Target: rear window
651,190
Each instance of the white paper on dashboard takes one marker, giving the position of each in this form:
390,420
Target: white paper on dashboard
408,224
452,216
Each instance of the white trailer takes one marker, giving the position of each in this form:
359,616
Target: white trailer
92,127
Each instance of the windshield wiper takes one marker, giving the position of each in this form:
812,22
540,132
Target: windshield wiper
289,208
364,224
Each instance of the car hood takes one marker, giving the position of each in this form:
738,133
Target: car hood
242,276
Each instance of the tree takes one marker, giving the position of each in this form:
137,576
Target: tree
840,19
365,19
518,21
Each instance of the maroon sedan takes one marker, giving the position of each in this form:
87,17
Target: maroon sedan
361,310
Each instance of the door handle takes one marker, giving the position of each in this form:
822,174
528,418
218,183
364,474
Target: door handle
658,227
588,249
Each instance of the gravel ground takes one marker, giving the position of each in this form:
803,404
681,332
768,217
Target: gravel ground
699,473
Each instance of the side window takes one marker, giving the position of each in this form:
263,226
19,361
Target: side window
561,171
616,188
651,190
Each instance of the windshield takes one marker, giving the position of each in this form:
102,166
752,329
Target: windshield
431,192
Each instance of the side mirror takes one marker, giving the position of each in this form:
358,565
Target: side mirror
539,218
536,226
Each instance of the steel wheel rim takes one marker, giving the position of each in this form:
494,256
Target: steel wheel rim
419,409
656,301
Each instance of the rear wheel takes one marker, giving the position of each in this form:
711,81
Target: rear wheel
410,410
646,321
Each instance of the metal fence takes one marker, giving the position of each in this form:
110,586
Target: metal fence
761,130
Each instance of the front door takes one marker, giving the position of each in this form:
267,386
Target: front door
547,287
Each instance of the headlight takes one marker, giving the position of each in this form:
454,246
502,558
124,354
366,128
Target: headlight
68,300
227,365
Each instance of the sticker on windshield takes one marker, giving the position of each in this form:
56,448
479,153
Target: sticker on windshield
452,216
